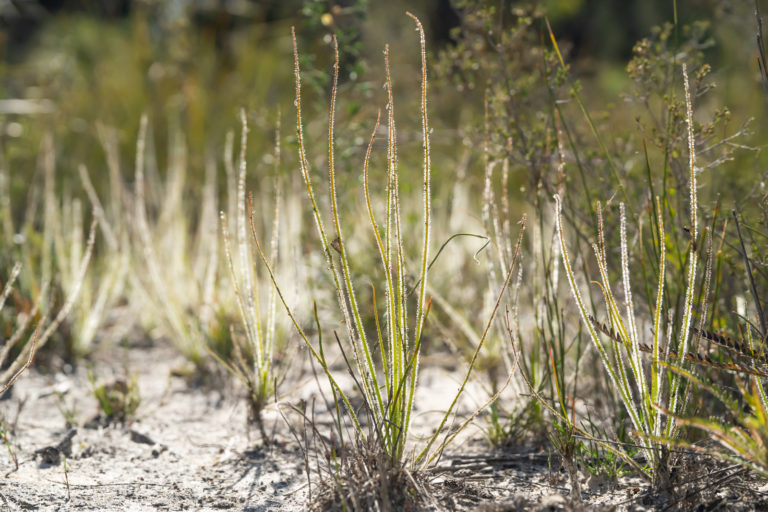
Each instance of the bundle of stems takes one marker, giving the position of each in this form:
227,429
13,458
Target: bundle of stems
387,385
645,390
253,361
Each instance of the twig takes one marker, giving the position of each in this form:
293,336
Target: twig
753,289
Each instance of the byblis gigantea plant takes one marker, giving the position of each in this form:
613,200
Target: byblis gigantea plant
644,390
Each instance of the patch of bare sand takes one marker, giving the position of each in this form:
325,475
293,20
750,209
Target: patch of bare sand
189,449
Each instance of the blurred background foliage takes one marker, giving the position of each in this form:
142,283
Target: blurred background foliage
194,63
71,67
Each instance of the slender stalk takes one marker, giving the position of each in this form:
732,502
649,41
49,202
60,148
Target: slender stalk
427,195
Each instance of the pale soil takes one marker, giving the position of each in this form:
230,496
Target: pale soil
200,456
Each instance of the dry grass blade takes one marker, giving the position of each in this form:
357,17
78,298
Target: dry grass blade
32,344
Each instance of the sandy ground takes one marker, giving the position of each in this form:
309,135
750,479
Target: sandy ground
189,449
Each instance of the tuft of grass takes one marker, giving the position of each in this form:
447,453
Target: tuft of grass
161,278
64,237
252,360
19,349
53,251
20,346
179,268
